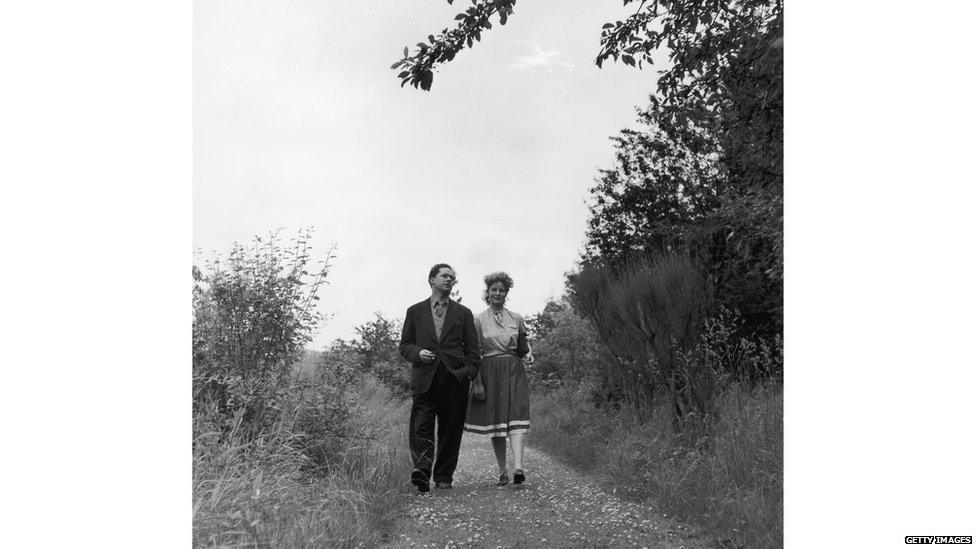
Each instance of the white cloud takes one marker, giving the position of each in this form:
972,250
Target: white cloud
541,59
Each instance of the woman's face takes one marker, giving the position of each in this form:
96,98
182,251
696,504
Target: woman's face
497,294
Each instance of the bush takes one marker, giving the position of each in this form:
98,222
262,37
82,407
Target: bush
253,312
290,448
646,313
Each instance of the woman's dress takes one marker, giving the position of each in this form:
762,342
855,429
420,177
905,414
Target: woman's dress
505,409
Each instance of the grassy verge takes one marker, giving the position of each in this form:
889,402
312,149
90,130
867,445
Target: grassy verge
730,482
327,485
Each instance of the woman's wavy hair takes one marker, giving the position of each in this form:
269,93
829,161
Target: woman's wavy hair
497,276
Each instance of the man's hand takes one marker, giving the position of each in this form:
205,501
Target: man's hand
426,356
528,358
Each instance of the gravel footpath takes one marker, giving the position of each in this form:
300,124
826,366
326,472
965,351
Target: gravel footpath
556,507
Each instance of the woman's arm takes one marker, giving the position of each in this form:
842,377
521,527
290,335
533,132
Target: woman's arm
524,350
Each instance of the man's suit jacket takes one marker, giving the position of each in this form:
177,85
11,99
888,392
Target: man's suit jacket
457,348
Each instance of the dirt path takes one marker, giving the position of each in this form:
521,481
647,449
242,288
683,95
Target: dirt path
556,507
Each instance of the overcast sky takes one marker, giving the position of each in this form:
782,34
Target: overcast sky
299,122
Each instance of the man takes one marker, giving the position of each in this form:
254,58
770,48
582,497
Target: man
441,343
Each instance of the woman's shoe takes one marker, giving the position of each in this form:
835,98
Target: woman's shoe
519,476
502,479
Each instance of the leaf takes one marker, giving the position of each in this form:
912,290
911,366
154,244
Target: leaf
395,65
406,52
459,16
608,26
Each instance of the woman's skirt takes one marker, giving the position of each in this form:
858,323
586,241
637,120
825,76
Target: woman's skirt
505,409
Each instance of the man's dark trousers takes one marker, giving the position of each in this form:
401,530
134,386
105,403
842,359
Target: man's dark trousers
447,400
439,388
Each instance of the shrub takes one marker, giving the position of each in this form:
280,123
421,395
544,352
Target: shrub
290,448
253,312
646,313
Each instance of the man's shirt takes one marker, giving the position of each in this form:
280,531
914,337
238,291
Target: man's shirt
438,309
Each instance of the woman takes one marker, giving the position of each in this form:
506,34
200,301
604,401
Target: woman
499,405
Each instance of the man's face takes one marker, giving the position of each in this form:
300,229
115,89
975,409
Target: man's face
443,280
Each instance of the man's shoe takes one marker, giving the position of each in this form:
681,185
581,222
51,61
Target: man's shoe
420,480
443,485
519,477
502,479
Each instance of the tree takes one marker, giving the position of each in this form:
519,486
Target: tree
702,36
671,189
374,350
565,346
378,346
705,174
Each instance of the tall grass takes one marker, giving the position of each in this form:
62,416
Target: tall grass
287,451
270,490
729,480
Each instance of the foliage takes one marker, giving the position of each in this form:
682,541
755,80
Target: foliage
729,479
671,190
253,312
418,68
647,313
602,338
266,489
566,348
375,350
723,349
726,73
660,190
710,43
289,448
722,469
704,173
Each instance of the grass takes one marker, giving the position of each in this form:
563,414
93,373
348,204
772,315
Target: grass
271,492
730,482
